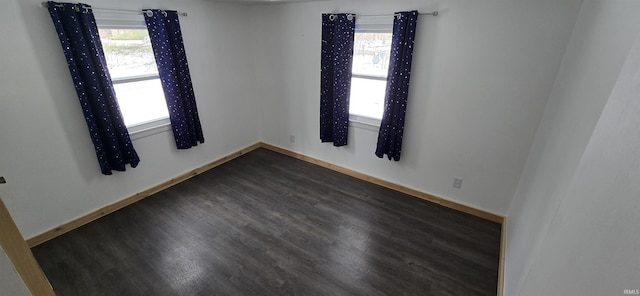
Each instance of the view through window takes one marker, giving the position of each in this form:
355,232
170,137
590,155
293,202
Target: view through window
134,73
369,73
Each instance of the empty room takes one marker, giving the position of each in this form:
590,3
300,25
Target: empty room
337,147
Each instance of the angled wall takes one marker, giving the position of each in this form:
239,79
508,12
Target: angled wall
602,38
592,245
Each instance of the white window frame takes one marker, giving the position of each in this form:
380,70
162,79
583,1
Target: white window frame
367,122
106,20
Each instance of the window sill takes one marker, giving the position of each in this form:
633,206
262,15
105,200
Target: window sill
368,123
150,128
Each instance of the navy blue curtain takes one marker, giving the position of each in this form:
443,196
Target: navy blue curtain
395,102
171,58
81,44
338,31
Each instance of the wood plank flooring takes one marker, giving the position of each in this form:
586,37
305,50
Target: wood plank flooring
268,224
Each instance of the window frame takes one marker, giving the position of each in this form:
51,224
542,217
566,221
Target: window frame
106,20
362,121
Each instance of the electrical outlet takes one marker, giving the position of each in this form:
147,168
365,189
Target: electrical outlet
457,182
2,180
292,138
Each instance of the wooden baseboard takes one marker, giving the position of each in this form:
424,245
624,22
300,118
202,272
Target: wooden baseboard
503,246
71,225
43,237
410,191
20,255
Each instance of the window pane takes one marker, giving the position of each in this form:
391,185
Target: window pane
367,97
371,53
141,101
128,52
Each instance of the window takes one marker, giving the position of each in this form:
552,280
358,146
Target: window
371,53
134,73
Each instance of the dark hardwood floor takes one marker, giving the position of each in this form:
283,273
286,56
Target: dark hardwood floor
268,224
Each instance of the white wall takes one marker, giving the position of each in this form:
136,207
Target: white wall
483,71
46,154
481,76
592,246
10,281
602,38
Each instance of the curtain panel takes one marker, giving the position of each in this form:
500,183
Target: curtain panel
395,102
338,31
171,58
78,34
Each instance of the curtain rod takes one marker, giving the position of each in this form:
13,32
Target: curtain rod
182,13
434,13
350,15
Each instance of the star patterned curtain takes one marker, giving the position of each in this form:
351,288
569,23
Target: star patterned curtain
395,102
78,34
338,31
171,58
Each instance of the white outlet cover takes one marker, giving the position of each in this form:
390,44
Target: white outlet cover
457,182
